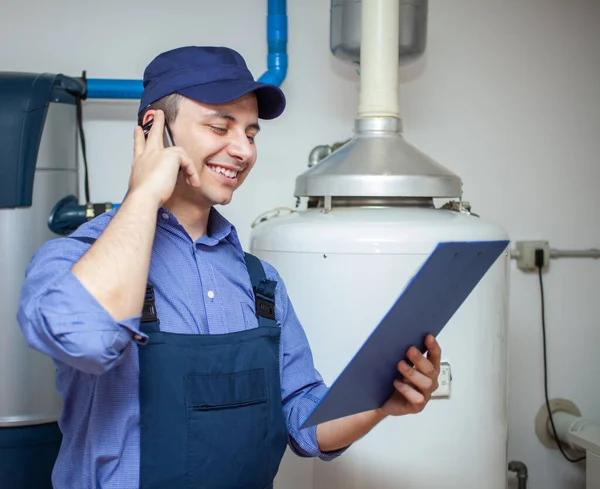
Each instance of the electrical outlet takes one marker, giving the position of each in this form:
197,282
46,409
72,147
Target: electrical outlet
526,254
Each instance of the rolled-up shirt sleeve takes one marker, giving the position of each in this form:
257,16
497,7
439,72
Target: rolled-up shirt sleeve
302,386
61,319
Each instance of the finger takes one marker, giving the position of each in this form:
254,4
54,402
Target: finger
412,376
412,396
434,352
420,362
155,136
191,173
139,142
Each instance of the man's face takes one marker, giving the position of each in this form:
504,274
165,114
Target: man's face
220,141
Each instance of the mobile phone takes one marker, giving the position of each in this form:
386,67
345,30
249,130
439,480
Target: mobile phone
168,139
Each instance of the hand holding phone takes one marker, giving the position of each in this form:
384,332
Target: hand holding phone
157,164
168,140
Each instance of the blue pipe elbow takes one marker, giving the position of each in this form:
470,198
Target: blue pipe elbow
277,58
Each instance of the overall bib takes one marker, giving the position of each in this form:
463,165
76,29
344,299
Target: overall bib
210,405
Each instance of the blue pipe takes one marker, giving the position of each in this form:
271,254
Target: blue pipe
106,88
277,61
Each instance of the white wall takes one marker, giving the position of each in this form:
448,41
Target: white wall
508,97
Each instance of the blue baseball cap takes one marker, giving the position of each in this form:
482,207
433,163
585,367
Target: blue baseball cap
210,75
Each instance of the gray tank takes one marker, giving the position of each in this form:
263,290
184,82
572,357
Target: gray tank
38,168
27,387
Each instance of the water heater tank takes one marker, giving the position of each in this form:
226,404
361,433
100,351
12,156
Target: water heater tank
38,167
343,270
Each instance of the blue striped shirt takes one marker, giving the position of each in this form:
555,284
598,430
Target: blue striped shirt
201,287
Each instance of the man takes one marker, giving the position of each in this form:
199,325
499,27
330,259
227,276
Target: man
204,389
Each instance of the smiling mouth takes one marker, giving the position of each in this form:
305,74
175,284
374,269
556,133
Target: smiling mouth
232,174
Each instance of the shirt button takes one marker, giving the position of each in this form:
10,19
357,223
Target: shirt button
165,215
211,294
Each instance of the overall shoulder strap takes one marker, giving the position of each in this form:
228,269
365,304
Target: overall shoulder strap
149,309
264,291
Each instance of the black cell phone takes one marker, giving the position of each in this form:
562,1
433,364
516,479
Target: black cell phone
168,139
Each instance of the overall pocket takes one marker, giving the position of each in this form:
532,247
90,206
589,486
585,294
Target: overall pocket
228,422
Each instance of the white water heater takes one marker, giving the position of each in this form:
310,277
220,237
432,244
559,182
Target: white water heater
369,224
343,270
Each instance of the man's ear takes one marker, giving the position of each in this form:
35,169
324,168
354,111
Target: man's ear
148,116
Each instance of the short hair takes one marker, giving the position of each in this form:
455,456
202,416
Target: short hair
169,104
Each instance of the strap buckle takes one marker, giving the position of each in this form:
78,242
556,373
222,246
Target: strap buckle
149,309
265,307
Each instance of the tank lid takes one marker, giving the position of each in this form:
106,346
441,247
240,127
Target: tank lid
24,98
378,162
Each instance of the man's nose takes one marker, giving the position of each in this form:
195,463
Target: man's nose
240,148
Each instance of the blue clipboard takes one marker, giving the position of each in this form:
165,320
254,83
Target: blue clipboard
425,306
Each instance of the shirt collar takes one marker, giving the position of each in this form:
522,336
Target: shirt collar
219,228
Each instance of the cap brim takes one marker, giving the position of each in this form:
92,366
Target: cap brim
270,98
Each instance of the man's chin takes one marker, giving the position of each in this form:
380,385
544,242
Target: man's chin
224,201
220,199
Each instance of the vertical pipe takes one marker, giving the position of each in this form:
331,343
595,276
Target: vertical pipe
379,53
277,58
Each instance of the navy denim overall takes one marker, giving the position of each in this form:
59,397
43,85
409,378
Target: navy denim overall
210,405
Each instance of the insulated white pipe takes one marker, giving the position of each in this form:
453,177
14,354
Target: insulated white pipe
579,433
379,51
563,422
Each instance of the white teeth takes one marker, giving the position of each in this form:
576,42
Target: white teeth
223,171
